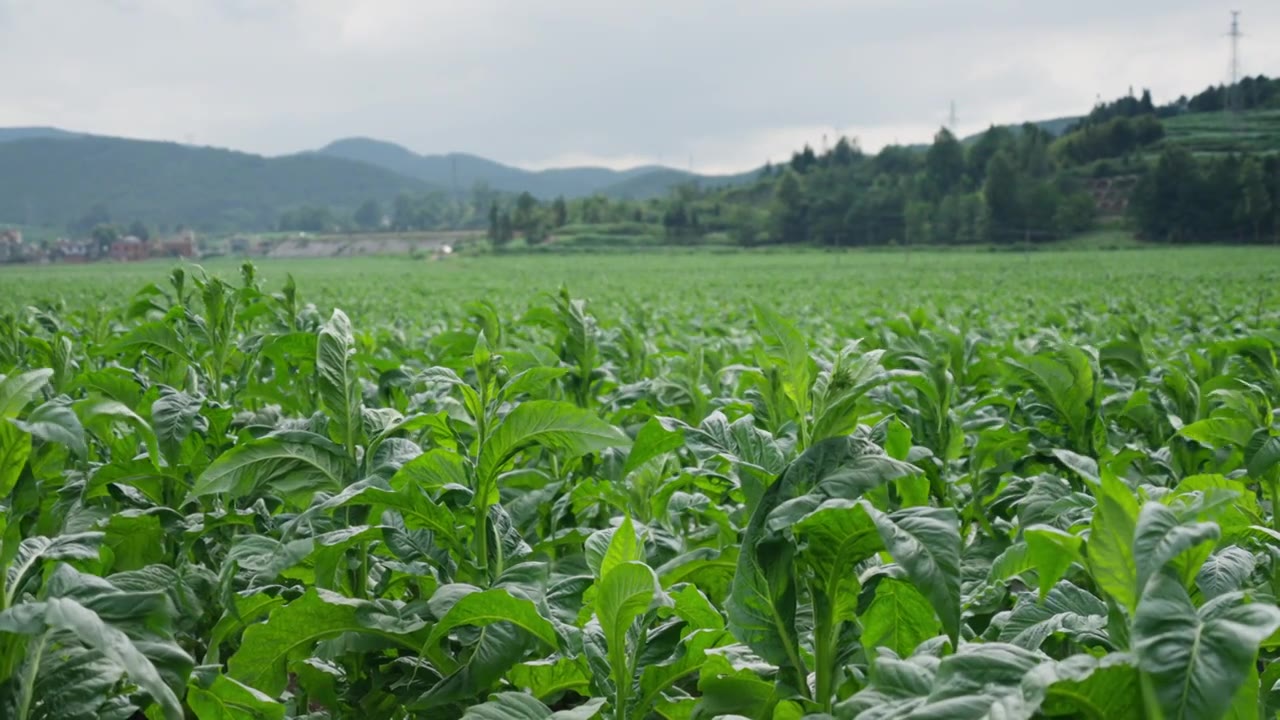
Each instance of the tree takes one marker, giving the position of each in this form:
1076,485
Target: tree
91,219
1165,203
1001,196
104,235
493,221
1255,203
559,213
526,206
369,215
139,230
944,164
402,214
789,212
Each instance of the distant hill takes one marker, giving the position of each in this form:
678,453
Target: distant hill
32,133
464,171
54,178
659,182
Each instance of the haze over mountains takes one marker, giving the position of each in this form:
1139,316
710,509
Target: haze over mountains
53,176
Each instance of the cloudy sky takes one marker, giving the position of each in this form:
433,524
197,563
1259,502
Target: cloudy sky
726,84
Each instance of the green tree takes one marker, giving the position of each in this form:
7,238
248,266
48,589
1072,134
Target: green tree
1000,192
369,215
139,230
559,213
526,209
944,164
104,235
790,219
1255,203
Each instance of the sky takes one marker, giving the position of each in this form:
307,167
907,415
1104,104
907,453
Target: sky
713,85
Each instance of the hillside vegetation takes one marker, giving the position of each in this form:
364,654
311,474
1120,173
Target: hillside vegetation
57,182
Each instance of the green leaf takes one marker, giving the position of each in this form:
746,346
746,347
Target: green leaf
1051,551
787,346
899,618
1160,537
652,441
551,424
606,549
174,415
1067,610
290,633
550,677
17,391
1219,431
518,706
926,543
1193,662
836,537
33,551
1110,548
221,698
496,605
90,631
1227,570
339,392
1265,458
432,471
55,422
15,448
303,462
98,413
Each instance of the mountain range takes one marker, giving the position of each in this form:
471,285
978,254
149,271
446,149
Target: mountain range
53,177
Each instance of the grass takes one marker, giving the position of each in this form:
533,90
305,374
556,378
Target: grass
807,283
1211,133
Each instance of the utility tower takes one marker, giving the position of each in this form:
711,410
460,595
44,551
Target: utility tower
1232,100
951,118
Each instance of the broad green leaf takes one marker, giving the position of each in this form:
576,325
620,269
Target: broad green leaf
91,631
787,346
1219,431
432,471
835,538
290,633
1051,551
220,698
547,423
1194,661
899,618
550,677
338,390
304,462
174,415
55,422
1159,538
1110,548
491,606
15,448
518,706
1067,610
926,543
1227,570
652,441
18,390
606,549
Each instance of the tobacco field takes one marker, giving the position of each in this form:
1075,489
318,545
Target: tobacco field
772,487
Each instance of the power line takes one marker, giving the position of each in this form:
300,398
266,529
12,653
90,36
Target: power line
1233,92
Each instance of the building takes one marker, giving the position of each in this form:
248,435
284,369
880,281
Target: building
182,245
128,249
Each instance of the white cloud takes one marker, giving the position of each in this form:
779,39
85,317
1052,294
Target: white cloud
539,83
